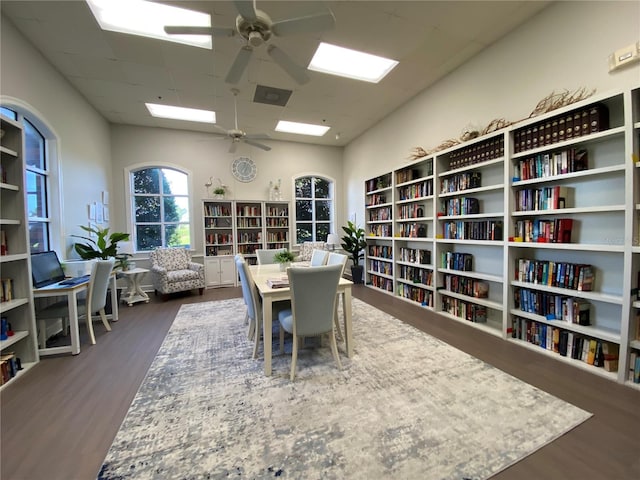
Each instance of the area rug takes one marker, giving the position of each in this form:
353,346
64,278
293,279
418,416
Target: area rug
406,406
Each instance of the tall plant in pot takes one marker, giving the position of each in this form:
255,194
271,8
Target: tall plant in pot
354,244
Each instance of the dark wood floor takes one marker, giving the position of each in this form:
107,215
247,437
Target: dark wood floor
59,420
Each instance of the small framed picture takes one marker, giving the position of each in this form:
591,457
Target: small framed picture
99,213
105,197
92,211
105,211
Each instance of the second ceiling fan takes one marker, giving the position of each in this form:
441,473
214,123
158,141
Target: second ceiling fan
257,28
236,135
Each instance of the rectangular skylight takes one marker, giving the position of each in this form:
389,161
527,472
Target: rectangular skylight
181,113
148,19
349,63
302,128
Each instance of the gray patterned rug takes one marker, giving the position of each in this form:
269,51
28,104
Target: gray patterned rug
406,406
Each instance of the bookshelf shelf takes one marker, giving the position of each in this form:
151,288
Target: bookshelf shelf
491,179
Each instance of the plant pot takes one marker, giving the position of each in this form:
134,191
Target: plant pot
284,266
356,273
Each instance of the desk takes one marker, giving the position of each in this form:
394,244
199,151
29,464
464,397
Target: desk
71,292
134,293
261,273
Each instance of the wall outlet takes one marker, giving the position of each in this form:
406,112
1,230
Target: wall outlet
625,56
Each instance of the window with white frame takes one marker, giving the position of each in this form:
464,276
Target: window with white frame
37,180
160,207
314,208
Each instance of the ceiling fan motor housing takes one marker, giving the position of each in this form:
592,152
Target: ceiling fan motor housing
256,32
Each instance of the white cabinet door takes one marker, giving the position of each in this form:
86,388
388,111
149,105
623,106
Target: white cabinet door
227,271
220,271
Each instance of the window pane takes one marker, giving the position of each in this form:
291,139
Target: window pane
322,230
303,187
146,181
148,237
34,147
174,182
303,232
36,194
176,209
9,113
322,188
147,209
38,237
177,235
323,210
303,210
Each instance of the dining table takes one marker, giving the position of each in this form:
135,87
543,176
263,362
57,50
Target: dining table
261,275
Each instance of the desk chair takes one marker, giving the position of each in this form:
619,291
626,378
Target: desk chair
265,255
313,302
96,300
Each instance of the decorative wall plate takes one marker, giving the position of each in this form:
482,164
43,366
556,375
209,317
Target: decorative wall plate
244,169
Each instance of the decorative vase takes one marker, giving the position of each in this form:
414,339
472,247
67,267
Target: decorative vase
284,266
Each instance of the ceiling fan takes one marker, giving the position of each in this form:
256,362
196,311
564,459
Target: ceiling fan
236,135
256,27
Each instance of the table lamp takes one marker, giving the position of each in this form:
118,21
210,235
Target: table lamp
333,239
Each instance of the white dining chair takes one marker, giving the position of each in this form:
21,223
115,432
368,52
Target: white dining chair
318,258
338,259
266,256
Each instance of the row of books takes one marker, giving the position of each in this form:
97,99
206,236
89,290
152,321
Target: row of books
416,274
544,231
413,230
473,230
380,214
409,174
277,237
380,230
411,210
217,210
415,255
574,276
584,121
248,210
460,182
546,165
381,282
553,306
10,365
222,222
566,343
381,251
378,183
461,206
219,238
277,222
378,266
467,286
420,295
416,190
376,199
456,261
462,309
277,211
546,198
214,251
253,222
634,367
6,289
477,153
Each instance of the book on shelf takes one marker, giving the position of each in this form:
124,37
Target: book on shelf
4,249
610,356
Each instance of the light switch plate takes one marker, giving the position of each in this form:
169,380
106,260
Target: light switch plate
625,56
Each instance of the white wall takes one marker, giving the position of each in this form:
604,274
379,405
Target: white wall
205,155
84,148
566,46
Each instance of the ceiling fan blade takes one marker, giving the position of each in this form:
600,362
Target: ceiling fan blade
178,30
239,65
256,144
223,31
295,71
258,136
223,131
233,147
246,9
311,23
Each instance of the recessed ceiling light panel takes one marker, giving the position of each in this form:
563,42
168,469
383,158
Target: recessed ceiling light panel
181,113
148,19
301,128
349,63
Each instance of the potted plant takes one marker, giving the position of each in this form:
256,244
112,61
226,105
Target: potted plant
284,258
219,192
354,244
104,246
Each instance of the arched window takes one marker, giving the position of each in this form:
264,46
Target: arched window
160,207
314,208
39,156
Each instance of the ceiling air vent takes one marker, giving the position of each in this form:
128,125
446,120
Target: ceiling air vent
271,95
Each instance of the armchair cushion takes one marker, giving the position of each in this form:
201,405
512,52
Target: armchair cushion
306,250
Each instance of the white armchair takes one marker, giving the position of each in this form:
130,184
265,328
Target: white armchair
173,271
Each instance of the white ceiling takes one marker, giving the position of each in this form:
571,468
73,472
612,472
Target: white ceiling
118,73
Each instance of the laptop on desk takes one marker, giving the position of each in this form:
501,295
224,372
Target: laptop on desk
46,271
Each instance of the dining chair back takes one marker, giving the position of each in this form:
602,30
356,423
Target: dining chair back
318,258
266,256
313,296
337,259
